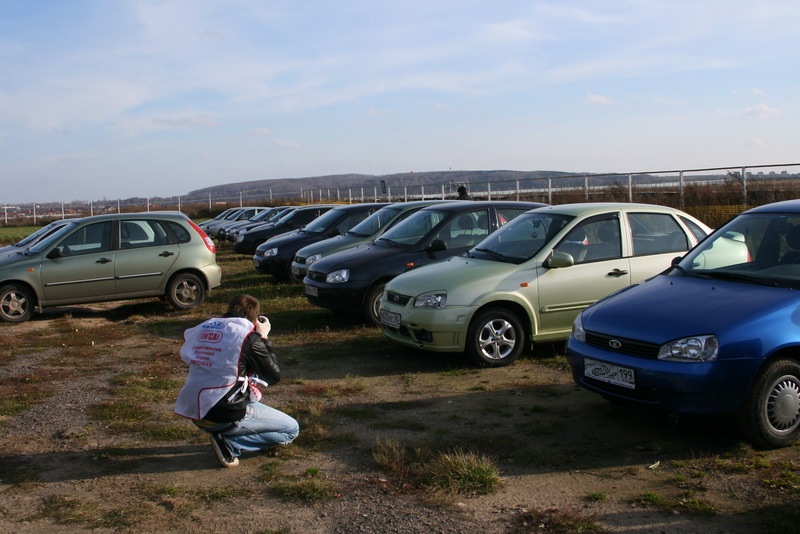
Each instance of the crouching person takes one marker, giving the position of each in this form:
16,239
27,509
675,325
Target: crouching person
228,358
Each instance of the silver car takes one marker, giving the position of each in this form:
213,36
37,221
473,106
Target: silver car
110,257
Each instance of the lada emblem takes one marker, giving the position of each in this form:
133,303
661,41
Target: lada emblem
615,344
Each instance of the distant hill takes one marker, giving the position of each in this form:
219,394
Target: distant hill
396,182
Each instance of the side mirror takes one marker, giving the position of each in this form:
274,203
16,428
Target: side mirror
54,254
559,260
335,232
436,245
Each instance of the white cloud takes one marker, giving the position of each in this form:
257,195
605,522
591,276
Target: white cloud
597,100
289,144
762,111
261,132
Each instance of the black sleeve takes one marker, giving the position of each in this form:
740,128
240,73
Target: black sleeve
260,360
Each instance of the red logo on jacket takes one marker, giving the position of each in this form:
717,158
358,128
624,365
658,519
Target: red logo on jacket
211,337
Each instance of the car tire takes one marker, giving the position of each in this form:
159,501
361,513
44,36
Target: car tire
495,338
372,303
16,303
770,417
185,291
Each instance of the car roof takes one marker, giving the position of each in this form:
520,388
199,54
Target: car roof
784,206
583,208
458,205
133,215
361,206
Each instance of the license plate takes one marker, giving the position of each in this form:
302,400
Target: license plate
311,290
295,270
609,373
390,319
255,264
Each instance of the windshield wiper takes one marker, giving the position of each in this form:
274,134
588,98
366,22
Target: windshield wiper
496,255
738,277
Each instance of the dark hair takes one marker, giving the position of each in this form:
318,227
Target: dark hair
246,306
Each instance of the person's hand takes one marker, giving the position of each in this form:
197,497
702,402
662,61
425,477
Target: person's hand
263,326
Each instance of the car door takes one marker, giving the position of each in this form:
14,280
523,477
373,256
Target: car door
596,245
145,257
82,267
657,238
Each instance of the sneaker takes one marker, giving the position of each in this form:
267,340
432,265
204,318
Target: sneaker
223,451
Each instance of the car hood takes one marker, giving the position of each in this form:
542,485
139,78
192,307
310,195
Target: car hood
459,272
668,307
356,257
332,244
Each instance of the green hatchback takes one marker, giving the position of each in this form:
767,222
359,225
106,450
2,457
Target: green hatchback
527,281
107,258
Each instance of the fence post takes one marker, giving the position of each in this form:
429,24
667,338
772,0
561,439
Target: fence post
549,190
744,186
586,186
630,188
681,190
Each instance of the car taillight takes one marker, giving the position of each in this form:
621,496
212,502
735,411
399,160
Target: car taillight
204,236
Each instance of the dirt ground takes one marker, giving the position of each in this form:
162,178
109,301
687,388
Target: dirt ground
567,458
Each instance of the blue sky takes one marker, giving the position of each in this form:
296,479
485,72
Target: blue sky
114,99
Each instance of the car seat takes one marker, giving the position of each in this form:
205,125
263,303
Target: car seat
793,240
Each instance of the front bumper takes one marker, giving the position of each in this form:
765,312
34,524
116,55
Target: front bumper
717,387
437,330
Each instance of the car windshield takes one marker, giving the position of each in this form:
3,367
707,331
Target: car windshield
41,233
47,240
323,222
521,239
759,248
374,222
413,229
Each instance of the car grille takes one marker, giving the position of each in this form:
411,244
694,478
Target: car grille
316,276
622,345
397,298
640,393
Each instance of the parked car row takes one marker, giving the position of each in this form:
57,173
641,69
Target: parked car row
656,309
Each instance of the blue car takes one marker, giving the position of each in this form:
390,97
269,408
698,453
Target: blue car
716,334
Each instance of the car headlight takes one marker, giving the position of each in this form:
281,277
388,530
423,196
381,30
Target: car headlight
271,252
314,257
690,349
577,329
431,300
338,277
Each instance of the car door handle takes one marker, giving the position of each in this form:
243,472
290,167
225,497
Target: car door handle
166,254
618,272
103,260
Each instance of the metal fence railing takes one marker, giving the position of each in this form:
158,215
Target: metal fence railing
740,185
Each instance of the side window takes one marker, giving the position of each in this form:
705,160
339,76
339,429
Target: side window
505,215
656,233
466,230
351,220
593,240
141,233
87,240
698,232
180,233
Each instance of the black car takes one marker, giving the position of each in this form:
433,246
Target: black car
247,242
275,255
354,279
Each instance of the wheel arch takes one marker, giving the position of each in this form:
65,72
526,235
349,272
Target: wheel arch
37,307
514,307
188,270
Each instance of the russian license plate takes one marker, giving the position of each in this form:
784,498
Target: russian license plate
609,373
390,319
311,290
295,270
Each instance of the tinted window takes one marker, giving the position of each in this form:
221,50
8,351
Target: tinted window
656,233
87,240
141,233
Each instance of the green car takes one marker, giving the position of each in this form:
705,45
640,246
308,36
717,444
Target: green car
110,257
527,281
364,232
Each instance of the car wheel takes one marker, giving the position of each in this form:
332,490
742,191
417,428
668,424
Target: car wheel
186,291
770,417
495,338
372,303
16,303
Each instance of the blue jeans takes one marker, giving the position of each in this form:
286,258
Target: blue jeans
260,428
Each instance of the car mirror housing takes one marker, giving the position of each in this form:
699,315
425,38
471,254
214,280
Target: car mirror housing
54,254
437,245
559,260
